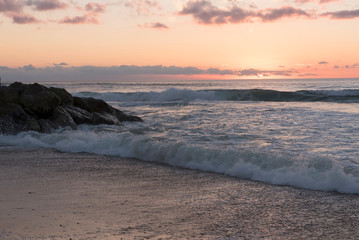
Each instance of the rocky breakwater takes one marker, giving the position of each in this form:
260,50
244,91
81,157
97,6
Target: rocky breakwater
34,107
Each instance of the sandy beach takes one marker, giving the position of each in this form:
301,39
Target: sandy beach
46,194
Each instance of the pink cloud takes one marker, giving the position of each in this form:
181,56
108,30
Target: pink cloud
95,7
145,7
206,13
319,1
45,5
80,20
91,17
328,1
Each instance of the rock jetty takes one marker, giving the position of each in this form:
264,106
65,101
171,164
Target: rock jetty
34,107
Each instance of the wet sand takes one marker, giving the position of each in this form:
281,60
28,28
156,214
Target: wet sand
45,194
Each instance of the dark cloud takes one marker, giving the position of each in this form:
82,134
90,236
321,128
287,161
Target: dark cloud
308,75
85,19
356,65
217,71
45,5
28,67
10,6
257,72
206,13
60,64
275,14
40,5
346,14
22,18
3,68
155,25
323,62
159,25
14,9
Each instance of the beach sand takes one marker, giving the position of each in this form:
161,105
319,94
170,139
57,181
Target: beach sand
46,194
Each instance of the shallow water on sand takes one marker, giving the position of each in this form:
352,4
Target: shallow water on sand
51,195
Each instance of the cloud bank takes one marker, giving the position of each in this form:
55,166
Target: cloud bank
63,72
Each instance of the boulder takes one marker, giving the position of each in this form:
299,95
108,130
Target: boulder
34,107
38,100
13,119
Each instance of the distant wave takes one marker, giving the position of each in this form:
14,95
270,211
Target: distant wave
175,94
304,171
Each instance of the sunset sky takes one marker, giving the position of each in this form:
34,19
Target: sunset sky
84,39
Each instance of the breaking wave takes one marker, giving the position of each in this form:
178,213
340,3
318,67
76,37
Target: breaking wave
175,94
303,171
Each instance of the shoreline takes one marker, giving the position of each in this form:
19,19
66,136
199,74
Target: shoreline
48,194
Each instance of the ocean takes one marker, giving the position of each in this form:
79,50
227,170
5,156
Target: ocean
302,133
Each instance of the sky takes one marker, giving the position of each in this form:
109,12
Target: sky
179,39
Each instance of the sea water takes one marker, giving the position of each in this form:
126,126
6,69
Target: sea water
302,133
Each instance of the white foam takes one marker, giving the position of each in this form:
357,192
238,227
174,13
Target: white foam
306,171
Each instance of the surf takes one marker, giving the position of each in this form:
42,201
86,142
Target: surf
304,170
176,94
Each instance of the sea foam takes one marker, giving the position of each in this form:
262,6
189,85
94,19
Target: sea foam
303,171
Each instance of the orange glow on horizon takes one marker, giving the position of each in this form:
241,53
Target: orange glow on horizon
317,47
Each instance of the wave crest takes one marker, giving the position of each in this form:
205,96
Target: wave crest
307,171
175,94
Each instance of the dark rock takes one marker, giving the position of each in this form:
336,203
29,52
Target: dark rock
11,94
106,119
62,118
92,105
79,115
125,117
13,119
38,100
46,126
101,107
35,107
65,97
